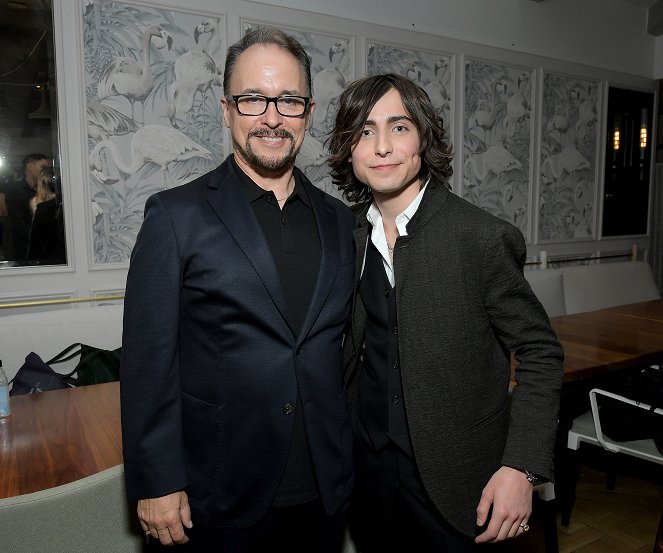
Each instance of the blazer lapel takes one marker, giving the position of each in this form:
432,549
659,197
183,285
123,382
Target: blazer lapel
329,255
358,314
229,202
361,242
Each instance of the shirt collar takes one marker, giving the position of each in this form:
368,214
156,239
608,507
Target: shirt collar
374,216
254,192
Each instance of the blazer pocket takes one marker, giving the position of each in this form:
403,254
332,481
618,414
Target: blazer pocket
485,422
202,423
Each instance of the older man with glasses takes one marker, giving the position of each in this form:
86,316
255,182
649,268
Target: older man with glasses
235,423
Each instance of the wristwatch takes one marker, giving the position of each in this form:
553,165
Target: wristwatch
530,477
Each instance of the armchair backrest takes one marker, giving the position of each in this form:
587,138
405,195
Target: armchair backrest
644,449
86,516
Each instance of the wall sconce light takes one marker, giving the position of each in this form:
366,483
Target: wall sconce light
643,128
42,112
616,139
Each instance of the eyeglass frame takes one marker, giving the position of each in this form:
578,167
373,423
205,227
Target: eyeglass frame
269,99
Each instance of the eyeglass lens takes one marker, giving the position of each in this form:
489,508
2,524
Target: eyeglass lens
285,105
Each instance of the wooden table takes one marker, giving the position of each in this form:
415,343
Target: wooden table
603,341
53,438
597,343
57,437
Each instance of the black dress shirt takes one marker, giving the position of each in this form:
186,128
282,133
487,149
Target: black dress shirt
292,236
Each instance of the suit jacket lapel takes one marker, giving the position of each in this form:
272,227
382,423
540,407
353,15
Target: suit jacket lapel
229,202
330,253
361,242
358,316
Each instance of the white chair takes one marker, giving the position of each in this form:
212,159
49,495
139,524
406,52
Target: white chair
592,287
587,428
90,515
548,286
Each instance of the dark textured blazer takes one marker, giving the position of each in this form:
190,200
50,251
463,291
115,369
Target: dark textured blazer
210,367
463,305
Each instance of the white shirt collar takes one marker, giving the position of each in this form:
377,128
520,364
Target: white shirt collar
402,219
379,238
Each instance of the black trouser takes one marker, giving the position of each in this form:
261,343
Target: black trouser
390,511
298,529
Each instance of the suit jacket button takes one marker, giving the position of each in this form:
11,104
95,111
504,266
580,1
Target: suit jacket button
288,409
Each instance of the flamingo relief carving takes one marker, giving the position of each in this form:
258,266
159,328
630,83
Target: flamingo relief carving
496,160
129,78
483,118
156,144
517,106
568,158
328,84
195,72
437,89
103,122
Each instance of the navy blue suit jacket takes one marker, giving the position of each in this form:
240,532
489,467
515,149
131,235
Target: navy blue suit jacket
210,365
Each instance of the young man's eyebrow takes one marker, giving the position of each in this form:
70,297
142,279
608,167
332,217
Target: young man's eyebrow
391,119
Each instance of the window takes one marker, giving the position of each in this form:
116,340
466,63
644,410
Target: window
627,162
28,124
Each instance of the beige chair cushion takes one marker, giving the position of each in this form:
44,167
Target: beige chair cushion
86,516
592,287
548,286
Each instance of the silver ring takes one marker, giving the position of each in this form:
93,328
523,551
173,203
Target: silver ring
524,526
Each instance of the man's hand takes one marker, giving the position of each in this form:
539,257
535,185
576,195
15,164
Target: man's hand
510,494
165,517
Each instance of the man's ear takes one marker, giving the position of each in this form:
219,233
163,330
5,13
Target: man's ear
226,116
309,114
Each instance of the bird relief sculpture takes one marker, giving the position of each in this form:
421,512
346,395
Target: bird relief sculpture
156,144
568,158
130,78
152,111
497,140
195,72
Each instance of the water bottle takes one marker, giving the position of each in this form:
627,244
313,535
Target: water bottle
5,409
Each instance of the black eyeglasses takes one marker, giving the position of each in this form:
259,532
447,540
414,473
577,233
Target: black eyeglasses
256,104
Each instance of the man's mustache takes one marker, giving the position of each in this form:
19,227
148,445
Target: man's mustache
282,133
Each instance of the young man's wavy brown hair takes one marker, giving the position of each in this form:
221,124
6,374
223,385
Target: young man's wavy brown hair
355,105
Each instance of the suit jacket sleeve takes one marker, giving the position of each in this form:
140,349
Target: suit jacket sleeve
521,324
150,371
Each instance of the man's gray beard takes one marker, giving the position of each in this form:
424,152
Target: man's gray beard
264,165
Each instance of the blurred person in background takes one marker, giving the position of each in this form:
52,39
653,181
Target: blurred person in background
17,200
46,243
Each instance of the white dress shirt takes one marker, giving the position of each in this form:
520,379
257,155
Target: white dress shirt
378,236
